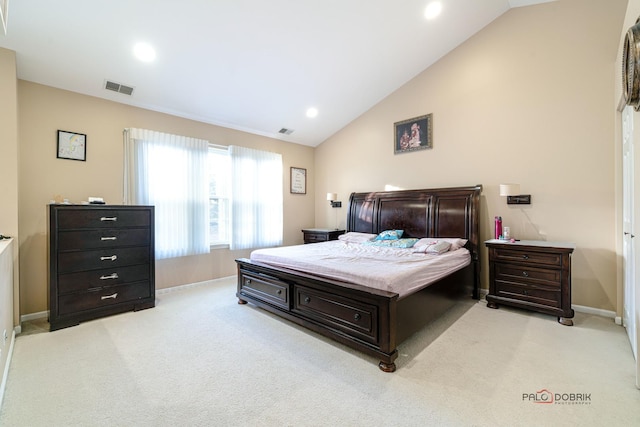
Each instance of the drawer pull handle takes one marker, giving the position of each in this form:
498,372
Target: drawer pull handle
525,256
111,276
109,238
109,258
248,281
113,296
109,218
525,274
357,316
307,300
279,291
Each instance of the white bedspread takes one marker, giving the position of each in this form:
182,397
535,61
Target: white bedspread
390,269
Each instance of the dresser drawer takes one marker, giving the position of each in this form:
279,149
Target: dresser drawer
102,218
336,312
107,238
528,274
266,289
92,279
94,299
549,298
69,262
528,257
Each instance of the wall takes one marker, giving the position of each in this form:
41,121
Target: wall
9,171
43,110
530,100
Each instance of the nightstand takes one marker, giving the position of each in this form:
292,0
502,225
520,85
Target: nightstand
531,274
314,235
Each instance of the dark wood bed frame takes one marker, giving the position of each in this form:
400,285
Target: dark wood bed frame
370,320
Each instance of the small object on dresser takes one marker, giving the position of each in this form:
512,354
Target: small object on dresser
96,201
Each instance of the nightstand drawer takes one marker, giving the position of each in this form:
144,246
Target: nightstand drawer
315,237
525,274
528,293
528,257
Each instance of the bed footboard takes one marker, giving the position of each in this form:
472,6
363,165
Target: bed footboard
359,317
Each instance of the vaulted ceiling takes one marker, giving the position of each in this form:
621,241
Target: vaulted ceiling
251,65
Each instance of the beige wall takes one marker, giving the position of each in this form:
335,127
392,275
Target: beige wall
530,99
43,110
9,313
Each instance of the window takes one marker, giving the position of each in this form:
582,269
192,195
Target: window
219,202
170,173
204,195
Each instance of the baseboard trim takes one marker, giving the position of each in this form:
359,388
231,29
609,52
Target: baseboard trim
5,374
34,316
579,308
190,285
597,311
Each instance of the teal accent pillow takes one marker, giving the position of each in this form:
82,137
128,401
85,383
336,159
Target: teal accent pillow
397,243
389,235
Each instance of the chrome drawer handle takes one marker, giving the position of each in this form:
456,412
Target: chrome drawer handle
357,316
109,238
109,218
307,300
114,296
525,256
109,258
279,291
525,274
111,276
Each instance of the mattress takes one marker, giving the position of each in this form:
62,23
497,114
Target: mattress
401,271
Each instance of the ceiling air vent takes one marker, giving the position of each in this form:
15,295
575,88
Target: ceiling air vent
117,87
285,131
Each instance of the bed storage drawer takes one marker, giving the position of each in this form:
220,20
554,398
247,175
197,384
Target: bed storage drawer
265,288
345,314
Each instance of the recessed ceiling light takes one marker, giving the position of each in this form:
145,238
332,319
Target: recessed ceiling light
433,9
312,112
144,52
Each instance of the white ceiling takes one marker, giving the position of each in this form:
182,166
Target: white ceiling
252,65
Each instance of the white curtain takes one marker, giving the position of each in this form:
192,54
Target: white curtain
256,198
170,173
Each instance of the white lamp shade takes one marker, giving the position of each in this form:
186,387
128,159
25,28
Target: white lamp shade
332,196
509,189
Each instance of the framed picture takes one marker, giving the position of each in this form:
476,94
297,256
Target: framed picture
413,134
72,145
298,181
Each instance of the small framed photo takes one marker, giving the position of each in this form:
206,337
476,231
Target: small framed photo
298,181
413,134
72,145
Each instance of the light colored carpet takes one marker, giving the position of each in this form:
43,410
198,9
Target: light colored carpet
200,359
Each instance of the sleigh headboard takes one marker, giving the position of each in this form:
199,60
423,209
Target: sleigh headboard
436,212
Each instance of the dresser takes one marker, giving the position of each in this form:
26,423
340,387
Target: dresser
531,274
101,261
315,235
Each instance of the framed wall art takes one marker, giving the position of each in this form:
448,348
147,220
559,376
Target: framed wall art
413,134
298,180
72,145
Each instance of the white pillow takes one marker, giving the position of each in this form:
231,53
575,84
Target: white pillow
355,237
438,247
456,243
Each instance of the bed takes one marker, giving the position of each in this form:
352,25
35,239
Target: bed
374,320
